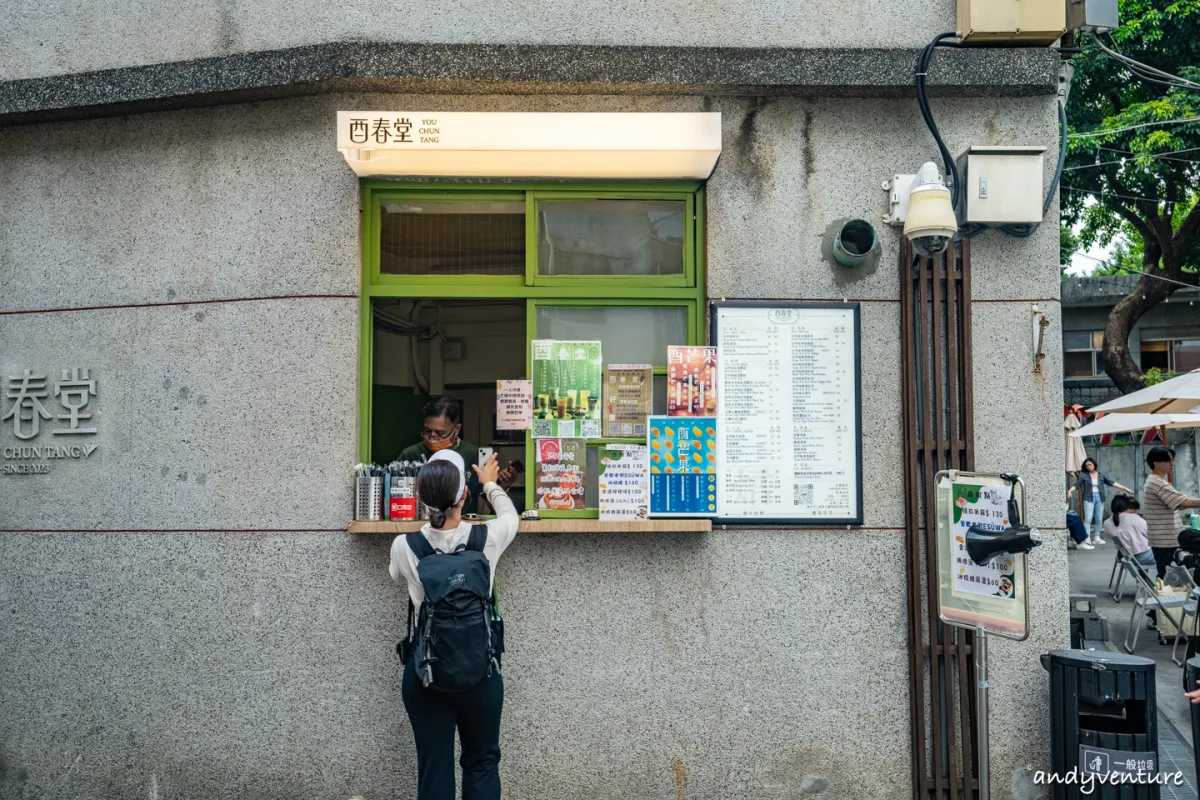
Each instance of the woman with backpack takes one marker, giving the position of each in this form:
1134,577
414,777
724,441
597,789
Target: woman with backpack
452,659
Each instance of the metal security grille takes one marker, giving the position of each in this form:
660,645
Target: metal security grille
935,329
464,238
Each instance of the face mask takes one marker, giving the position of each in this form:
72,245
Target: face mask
445,444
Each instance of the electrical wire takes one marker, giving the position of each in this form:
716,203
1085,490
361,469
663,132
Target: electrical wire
1094,134
1138,65
1125,196
920,73
1126,160
1141,272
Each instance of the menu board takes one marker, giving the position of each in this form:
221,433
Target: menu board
628,399
559,478
566,388
624,481
789,443
683,466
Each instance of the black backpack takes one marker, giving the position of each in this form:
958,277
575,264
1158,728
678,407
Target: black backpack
459,634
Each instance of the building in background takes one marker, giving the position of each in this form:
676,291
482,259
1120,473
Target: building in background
1167,338
185,614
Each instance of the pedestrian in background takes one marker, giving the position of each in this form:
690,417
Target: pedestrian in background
1091,485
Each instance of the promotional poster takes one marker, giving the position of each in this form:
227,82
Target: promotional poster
628,399
559,477
567,385
691,381
683,466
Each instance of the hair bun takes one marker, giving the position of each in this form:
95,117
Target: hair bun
437,518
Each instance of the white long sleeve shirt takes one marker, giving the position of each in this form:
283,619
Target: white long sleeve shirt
501,531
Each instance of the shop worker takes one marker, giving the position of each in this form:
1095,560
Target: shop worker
442,430
452,654
1161,503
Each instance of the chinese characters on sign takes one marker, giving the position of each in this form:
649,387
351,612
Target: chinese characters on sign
381,130
683,466
624,482
31,409
514,405
691,381
628,399
789,413
983,507
566,389
559,479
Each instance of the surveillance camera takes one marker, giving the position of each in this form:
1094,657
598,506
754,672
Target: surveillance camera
930,224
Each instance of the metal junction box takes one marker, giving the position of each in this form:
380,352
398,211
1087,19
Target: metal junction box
1028,22
1092,15
1001,185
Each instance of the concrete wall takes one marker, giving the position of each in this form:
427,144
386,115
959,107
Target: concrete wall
42,39
224,637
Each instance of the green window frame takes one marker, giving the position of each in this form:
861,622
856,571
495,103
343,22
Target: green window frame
686,290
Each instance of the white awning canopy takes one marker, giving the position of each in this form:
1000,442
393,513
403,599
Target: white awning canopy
625,146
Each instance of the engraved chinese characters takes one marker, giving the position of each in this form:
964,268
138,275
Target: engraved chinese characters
39,404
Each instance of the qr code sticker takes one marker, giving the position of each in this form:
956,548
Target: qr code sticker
627,429
543,429
802,494
639,429
589,428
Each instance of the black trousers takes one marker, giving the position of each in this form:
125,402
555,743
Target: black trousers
1163,557
475,713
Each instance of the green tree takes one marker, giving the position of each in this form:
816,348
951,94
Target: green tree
1143,182
1068,245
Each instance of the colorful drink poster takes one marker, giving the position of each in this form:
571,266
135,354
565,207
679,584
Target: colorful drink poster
983,507
628,399
567,383
559,481
683,466
624,481
513,405
691,381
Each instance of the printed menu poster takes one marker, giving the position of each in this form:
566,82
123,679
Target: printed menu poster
624,481
558,481
691,381
628,399
982,507
683,466
790,447
514,401
567,386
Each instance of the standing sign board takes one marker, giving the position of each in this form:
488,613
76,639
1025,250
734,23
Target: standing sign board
790,417
992,597
624,481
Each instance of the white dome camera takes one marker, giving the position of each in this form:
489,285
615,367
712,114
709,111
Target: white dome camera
930,224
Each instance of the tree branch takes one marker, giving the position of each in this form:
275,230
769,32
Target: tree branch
1187,230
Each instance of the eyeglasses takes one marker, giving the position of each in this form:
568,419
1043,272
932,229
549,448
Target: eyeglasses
436,436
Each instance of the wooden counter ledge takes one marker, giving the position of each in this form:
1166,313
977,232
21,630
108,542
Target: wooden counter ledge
555,526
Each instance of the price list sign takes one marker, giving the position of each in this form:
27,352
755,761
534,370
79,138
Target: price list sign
789,444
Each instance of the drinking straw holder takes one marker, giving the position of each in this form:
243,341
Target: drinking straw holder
368,498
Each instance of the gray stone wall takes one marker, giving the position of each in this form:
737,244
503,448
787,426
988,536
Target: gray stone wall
211,631
74,36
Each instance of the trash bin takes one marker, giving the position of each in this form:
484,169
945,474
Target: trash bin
1191,676
1103,719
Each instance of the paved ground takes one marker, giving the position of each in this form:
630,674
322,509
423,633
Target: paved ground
1089,575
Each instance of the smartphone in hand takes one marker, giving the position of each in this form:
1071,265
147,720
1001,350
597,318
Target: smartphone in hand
485,453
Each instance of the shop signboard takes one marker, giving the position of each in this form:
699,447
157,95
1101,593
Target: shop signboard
684,466
691,381
567,389
628,399
790,444
624,481
559,482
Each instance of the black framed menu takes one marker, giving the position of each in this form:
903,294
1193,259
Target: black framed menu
789,440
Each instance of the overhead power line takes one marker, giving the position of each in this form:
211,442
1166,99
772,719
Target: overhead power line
1094,134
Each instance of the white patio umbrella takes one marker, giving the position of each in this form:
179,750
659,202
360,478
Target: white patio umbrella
1075,452
1127,423
1179,395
